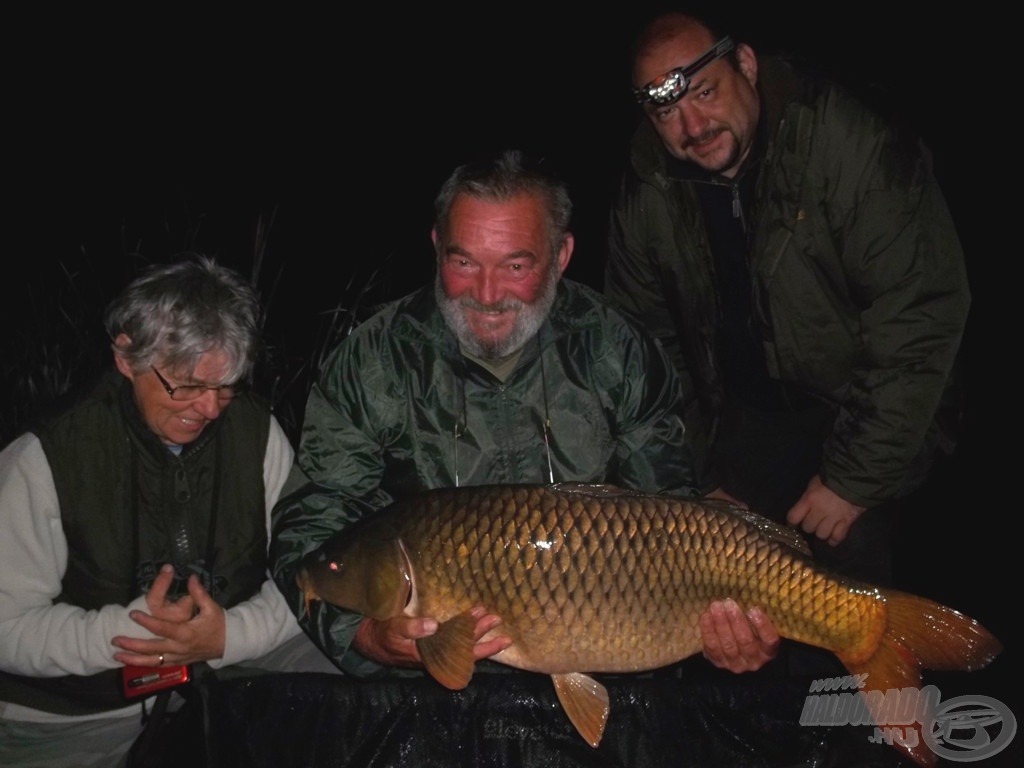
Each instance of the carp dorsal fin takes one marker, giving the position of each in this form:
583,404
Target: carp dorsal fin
593,489
585,702
448,653
789,537
782,534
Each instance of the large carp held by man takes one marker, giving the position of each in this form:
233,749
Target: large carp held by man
593,579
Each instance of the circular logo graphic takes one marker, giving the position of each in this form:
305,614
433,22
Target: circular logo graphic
969,728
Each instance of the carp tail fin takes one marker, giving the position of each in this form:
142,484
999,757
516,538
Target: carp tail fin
585,702
938,637
448,653
919,634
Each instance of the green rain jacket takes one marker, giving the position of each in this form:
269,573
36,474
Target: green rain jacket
381,426
859,286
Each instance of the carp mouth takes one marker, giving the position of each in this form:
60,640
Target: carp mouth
410,603
374,579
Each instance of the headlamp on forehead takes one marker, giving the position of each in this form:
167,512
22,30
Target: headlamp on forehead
670,87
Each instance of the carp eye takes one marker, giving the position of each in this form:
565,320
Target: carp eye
334,566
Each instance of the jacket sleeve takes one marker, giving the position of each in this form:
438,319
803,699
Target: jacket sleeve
646,400
335,481
632,281
905,273
38,637
645,277
256,626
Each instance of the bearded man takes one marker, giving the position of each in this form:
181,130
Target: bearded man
502,372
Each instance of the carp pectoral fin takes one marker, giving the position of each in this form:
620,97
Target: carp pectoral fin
305,585
585,702
448,653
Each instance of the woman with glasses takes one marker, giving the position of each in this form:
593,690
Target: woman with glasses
135,526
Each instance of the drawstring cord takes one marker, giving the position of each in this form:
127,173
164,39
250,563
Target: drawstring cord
460,420
547,414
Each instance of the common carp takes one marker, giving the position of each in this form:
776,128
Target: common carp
593,579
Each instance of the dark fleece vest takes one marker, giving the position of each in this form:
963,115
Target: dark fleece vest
129,505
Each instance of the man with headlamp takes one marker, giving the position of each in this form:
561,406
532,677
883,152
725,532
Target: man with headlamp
794,254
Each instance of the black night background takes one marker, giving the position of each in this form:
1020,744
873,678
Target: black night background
310,143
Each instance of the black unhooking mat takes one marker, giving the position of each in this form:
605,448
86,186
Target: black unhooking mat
515,719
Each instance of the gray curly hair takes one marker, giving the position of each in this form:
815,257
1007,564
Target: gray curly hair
172,314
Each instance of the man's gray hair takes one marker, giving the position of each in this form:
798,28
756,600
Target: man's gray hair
172,314
499,179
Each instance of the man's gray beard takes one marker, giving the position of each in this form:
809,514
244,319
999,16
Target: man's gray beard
529,319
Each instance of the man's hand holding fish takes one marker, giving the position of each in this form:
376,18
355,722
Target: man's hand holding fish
737,641
392,642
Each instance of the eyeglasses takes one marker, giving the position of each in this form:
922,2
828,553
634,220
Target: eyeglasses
225,392
672,86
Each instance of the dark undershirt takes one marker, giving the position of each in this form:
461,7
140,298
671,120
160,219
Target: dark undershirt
728,207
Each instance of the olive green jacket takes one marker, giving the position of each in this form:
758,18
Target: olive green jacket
381,425
859,283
